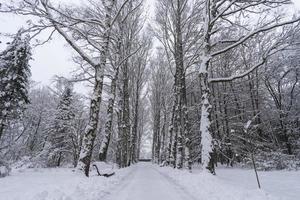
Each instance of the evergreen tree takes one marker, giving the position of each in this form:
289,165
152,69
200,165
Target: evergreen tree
14,79
62,131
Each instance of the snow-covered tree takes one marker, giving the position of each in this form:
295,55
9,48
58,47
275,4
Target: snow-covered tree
219,63
14,79
61,134
161,86
218,18
176,28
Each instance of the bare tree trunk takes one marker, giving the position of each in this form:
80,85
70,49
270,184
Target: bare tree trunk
174,150
175,124
179,88
156,137
120,130
2,125
228,150
110,113
125,118
205,126
140,133
186,126
91,129
206,107
163,131
135,124
171,138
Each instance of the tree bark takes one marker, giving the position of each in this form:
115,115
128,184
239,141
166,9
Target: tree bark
125,118
135,124
108,124
205,126
91,129
179,88
1,128
171,138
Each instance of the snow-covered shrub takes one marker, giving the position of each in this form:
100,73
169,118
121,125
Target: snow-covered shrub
274,161
4,169
29,162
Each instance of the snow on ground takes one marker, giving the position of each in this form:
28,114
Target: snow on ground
283,184
204,186
149,182
57,184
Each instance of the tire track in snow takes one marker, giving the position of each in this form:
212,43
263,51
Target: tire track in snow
123,182
176,185
148,183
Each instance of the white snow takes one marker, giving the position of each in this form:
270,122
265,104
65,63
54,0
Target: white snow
147,183
204,60
203,185
150,182
57,184
247,125
282,184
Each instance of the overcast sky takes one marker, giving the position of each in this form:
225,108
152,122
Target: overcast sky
53,58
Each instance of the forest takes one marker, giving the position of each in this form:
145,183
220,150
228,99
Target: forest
192,85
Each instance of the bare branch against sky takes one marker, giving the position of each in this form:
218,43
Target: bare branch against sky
44,67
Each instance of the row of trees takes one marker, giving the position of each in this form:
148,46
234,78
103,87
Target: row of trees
112,55
224,64
223,83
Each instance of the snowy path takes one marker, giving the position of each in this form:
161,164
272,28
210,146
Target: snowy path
145,181
148,184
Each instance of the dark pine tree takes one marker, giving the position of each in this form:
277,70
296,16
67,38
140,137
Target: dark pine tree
14,79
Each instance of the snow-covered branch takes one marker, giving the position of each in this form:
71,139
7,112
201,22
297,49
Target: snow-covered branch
253,33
